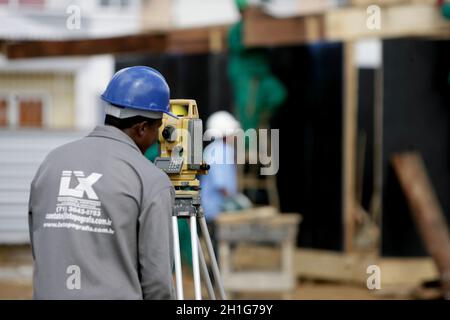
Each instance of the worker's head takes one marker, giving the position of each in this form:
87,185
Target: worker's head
143,131
137,97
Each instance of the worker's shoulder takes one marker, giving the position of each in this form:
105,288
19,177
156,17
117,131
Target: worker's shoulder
152,174
65,148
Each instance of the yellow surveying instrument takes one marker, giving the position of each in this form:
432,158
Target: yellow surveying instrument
181,157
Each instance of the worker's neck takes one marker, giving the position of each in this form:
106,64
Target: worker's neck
131,133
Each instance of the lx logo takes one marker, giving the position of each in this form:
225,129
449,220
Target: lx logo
84,184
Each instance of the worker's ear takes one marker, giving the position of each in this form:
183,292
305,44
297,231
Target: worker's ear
141,128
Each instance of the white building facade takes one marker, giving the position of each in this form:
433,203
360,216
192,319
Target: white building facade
47,102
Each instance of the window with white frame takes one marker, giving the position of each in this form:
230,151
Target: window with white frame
24,110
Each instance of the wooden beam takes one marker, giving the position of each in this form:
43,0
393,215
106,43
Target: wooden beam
352,268
349,140
186,41
335,266
397,271
123,44
332,265
2,47
406,20
399,18
376,201
261,29
367,3
426,210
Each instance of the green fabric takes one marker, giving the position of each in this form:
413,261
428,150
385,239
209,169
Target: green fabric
183,227
257,92
152,152
241,4
446,10
446,13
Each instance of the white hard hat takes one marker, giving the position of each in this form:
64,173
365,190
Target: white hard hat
221,124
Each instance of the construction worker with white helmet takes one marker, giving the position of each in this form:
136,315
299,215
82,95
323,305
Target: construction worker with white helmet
221,181
99,211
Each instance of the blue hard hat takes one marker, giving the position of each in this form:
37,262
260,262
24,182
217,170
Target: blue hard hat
141,88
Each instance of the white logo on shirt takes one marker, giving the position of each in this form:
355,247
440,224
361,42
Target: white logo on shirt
84,184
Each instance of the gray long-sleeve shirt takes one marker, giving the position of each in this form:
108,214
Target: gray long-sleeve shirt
100,227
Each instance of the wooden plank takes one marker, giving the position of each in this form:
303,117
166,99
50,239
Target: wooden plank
349,141
186,41
287,219
400,18
327,265
426,210
258,281
408,20
248,215
332,266
388,2
376,201
123,44
261,29
335,266
407,271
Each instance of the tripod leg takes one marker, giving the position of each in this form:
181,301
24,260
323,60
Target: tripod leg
177,259
195,266
205,273
215,267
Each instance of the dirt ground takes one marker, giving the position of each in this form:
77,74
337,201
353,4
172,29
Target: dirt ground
306,291
16,272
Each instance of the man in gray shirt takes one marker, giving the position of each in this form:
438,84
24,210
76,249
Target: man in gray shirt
99,211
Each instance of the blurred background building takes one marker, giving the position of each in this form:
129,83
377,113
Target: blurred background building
42,95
